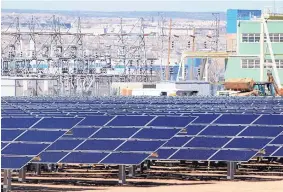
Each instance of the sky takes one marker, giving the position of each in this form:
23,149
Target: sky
137,5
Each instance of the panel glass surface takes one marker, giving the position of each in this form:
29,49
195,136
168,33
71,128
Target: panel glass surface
125,158
278,140
18,122
171,121
248,143
105,145
278,153
177,141
262,131
207,142
10,135
87,158
193,129
141,146
149,133
23,149
95,120
64,144
222,130
130,121
115,133
236,119
14,162
193,154
40,136
233,155
270,120
57,123
81,132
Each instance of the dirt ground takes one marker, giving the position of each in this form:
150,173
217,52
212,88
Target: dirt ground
157,179
180,186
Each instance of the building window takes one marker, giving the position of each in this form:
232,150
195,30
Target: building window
255,63
255,37
244,63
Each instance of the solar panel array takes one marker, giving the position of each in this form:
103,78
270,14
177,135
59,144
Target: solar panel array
22,139
114,139
128,130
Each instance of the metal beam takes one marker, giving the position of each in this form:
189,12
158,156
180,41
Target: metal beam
231,169
7,186
22,175
122,174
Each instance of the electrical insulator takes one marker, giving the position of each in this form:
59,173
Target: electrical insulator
131,63
189,44
151,62
205,45
171,70
172,44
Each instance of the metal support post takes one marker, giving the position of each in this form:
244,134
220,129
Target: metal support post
7,181
22,175
231,169
132,171
148,163
261,66
38,169
122,174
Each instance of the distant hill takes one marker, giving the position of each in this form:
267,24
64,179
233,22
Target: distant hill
124,14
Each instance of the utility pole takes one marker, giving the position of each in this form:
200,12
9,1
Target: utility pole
169,50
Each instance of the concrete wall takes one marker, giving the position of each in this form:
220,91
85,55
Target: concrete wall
8,88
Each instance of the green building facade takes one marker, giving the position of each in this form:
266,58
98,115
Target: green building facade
243,65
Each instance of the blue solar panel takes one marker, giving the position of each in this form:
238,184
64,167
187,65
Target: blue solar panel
269,150
95,120
262,131
204,118
81,132
141,146
125,158
278,140
18,122
248,143
170,121
14,162
222,130
3,145
130,121
193,129
207,142
270,120
193,154
233,155
115,133
177,141
236,119
278,153
107,145
57,123
81,157
64,144
40,136
149,133
164,153
24,149
10,135
51,156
